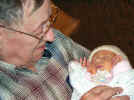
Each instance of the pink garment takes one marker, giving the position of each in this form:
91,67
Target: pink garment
120,67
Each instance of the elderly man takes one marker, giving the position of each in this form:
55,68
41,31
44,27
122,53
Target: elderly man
25,33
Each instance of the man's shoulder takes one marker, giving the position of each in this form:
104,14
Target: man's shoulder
61,43
59,36
60,48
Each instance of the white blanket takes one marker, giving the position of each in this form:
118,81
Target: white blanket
82,81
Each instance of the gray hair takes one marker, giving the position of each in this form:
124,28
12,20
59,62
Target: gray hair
12,11
112,48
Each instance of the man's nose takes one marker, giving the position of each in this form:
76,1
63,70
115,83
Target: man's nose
50,35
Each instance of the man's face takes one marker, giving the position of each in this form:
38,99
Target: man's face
103,60
21,49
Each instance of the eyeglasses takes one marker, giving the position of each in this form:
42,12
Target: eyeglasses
21,32
29,34
47,26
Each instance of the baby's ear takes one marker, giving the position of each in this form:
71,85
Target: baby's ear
116,59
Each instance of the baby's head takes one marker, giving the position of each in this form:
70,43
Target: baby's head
106,56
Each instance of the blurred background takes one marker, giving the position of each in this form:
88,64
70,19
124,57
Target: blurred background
96,22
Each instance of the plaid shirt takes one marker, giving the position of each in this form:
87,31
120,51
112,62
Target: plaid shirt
50,82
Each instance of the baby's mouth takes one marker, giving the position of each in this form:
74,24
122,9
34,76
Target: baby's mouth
99,66
102,76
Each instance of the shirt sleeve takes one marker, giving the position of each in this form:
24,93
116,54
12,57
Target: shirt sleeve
70,49
74,50
79,51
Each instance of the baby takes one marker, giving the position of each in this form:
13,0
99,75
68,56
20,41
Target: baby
107,65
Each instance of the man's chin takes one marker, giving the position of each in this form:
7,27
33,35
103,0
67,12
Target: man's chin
38,57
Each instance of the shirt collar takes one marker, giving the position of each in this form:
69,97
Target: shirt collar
7,67
11,68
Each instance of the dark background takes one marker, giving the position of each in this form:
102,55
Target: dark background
103,22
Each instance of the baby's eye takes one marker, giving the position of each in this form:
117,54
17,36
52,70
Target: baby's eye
98,60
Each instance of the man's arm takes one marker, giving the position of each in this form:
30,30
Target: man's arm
79,51
69,48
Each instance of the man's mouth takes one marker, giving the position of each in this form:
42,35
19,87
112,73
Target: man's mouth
42,47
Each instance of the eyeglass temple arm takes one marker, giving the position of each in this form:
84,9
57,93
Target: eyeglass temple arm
18,31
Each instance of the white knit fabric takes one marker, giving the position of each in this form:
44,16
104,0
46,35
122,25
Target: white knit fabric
111,48
81,81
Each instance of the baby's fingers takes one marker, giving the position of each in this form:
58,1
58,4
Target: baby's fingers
81,61
84,63
88,63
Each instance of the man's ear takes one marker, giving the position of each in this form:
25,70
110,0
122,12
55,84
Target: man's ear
116,59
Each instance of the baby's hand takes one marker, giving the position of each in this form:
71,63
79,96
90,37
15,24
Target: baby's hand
90,67
84,62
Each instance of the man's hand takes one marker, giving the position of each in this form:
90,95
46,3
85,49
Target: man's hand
104,93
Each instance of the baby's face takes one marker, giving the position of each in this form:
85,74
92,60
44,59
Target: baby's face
103,60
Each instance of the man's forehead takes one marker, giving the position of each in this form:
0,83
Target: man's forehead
39,15
31,10
45,7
